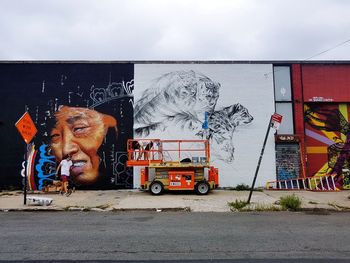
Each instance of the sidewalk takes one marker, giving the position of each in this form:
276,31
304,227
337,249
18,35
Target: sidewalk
128,200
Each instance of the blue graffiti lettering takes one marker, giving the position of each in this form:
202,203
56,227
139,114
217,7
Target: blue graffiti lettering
46,166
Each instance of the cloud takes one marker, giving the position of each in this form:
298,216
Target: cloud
173,29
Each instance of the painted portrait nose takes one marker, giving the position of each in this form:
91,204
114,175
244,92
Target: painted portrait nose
69,145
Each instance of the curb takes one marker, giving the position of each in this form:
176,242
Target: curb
315,211
31,210
170,209
320,210
86,209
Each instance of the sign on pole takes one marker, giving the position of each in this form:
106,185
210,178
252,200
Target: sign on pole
276,121
26,127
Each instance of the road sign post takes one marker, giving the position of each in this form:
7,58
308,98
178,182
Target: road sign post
27,129
275,121
25,178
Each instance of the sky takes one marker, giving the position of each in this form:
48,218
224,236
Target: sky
175,30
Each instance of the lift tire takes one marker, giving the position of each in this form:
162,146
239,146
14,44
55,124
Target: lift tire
156,188
202,188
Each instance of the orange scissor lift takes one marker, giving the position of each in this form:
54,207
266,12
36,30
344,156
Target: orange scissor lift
173,165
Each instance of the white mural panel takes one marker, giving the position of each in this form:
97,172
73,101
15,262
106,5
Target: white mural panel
170,101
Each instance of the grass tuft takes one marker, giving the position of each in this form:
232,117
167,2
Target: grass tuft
237,205
67,208
290,202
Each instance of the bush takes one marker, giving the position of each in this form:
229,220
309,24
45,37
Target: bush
290,202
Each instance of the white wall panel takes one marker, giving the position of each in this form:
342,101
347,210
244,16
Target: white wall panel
244,90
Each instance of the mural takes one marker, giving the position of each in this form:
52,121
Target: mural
80,110
89,110
181,98
171,102
178,97
222,124
328,141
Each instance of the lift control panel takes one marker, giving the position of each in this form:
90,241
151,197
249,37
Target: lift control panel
182,180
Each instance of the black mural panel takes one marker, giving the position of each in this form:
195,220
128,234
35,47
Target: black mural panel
82,110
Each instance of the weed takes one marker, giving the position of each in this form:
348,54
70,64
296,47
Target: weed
6,193
67,208
242,187
243,206
290,202
237,205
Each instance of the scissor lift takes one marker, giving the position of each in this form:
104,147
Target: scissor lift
173,165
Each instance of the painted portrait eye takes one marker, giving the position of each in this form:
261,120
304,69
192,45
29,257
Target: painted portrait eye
80,129
55,137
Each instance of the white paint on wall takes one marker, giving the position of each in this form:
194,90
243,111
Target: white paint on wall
251,86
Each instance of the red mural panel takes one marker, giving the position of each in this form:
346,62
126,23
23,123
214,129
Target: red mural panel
327,133
326,83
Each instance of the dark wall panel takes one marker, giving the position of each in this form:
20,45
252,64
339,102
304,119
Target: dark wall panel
93,125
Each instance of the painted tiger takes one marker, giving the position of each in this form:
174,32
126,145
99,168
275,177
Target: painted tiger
222,124
178,96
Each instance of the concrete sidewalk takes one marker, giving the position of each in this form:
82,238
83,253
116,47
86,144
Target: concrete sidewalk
215,201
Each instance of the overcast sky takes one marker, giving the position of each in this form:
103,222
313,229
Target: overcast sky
174,29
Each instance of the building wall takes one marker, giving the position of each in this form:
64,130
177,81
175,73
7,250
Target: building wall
146,100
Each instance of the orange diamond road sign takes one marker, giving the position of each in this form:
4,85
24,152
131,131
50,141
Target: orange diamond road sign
26,127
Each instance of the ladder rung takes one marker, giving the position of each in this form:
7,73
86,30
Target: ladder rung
305,183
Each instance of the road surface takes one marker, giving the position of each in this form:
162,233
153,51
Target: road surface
180,236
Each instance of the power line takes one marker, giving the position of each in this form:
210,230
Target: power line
325,51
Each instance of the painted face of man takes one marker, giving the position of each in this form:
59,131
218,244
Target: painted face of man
79,133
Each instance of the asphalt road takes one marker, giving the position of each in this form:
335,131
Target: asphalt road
179,236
